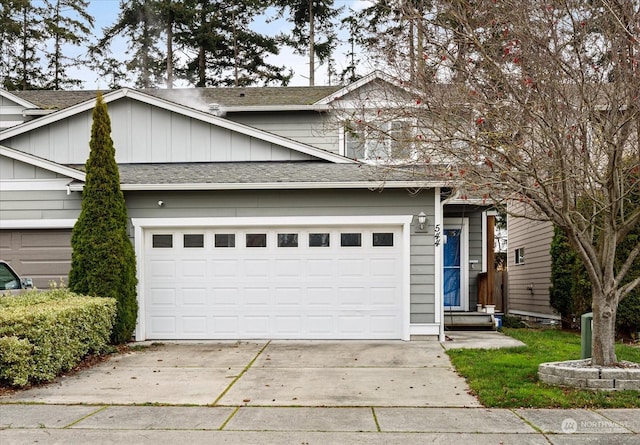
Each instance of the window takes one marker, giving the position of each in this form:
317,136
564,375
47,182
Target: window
287,240
256,240
519,256
224,240
193,240
380,141
8,280
351,239
162,241
318,240
382,239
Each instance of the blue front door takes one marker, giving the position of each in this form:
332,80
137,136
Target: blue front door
452,270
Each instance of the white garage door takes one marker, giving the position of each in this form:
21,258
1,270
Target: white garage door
287,283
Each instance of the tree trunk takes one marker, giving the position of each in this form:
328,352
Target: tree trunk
604,328
312,49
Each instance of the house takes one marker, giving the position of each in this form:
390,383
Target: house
529,264
247,218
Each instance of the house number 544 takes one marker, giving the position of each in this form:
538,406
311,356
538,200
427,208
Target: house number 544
437,236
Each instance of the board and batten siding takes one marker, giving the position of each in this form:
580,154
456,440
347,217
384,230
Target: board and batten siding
12,169
309,127
144,133
347,203
535,237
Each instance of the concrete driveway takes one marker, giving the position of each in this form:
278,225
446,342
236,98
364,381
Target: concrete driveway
269,373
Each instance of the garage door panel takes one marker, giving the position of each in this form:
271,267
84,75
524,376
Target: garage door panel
194,268
41,254
256,296
353,267
162,297
273,292
289,296
163,324
288,324
163,269
256,268
321,296
194,297
226,325
195,325
225,296
383,267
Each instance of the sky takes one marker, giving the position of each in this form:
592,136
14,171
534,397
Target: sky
106,12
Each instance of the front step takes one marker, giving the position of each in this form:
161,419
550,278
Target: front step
477,321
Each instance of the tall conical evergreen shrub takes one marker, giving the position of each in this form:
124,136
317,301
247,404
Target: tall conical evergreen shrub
103,261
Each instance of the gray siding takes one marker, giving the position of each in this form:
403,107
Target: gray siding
144,133
39,205
535,237
308,127
309,203
12,169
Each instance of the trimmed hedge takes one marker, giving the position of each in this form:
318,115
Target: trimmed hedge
45,333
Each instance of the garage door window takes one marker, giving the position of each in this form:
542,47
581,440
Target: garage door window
318,240
256,240
351,239
225,240
382,239
193,240
162,241
287,240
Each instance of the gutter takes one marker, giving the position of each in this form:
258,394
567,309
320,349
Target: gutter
78,186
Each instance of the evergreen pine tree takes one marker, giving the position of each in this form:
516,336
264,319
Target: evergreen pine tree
103,260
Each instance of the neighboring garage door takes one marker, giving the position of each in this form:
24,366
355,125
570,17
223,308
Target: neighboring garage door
287,283
41,254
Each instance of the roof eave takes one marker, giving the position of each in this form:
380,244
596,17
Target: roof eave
374,185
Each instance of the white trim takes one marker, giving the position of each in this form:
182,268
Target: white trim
406,277
484,240
33,184
180,109
463,224
9,124
373,185
17,100
535,314
45,164
438,273
37,223
141,224
425,329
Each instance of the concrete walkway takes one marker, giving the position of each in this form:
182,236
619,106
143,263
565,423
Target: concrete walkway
309,392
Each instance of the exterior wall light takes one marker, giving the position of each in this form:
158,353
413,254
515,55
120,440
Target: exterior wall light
422,220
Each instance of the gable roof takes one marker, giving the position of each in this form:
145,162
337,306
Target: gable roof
16,98
195,97
371,77
180,109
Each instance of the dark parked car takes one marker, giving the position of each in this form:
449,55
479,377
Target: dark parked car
10,281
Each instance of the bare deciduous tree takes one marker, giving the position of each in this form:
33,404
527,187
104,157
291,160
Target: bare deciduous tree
535,102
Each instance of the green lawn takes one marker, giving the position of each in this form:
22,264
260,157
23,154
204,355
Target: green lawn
508,378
